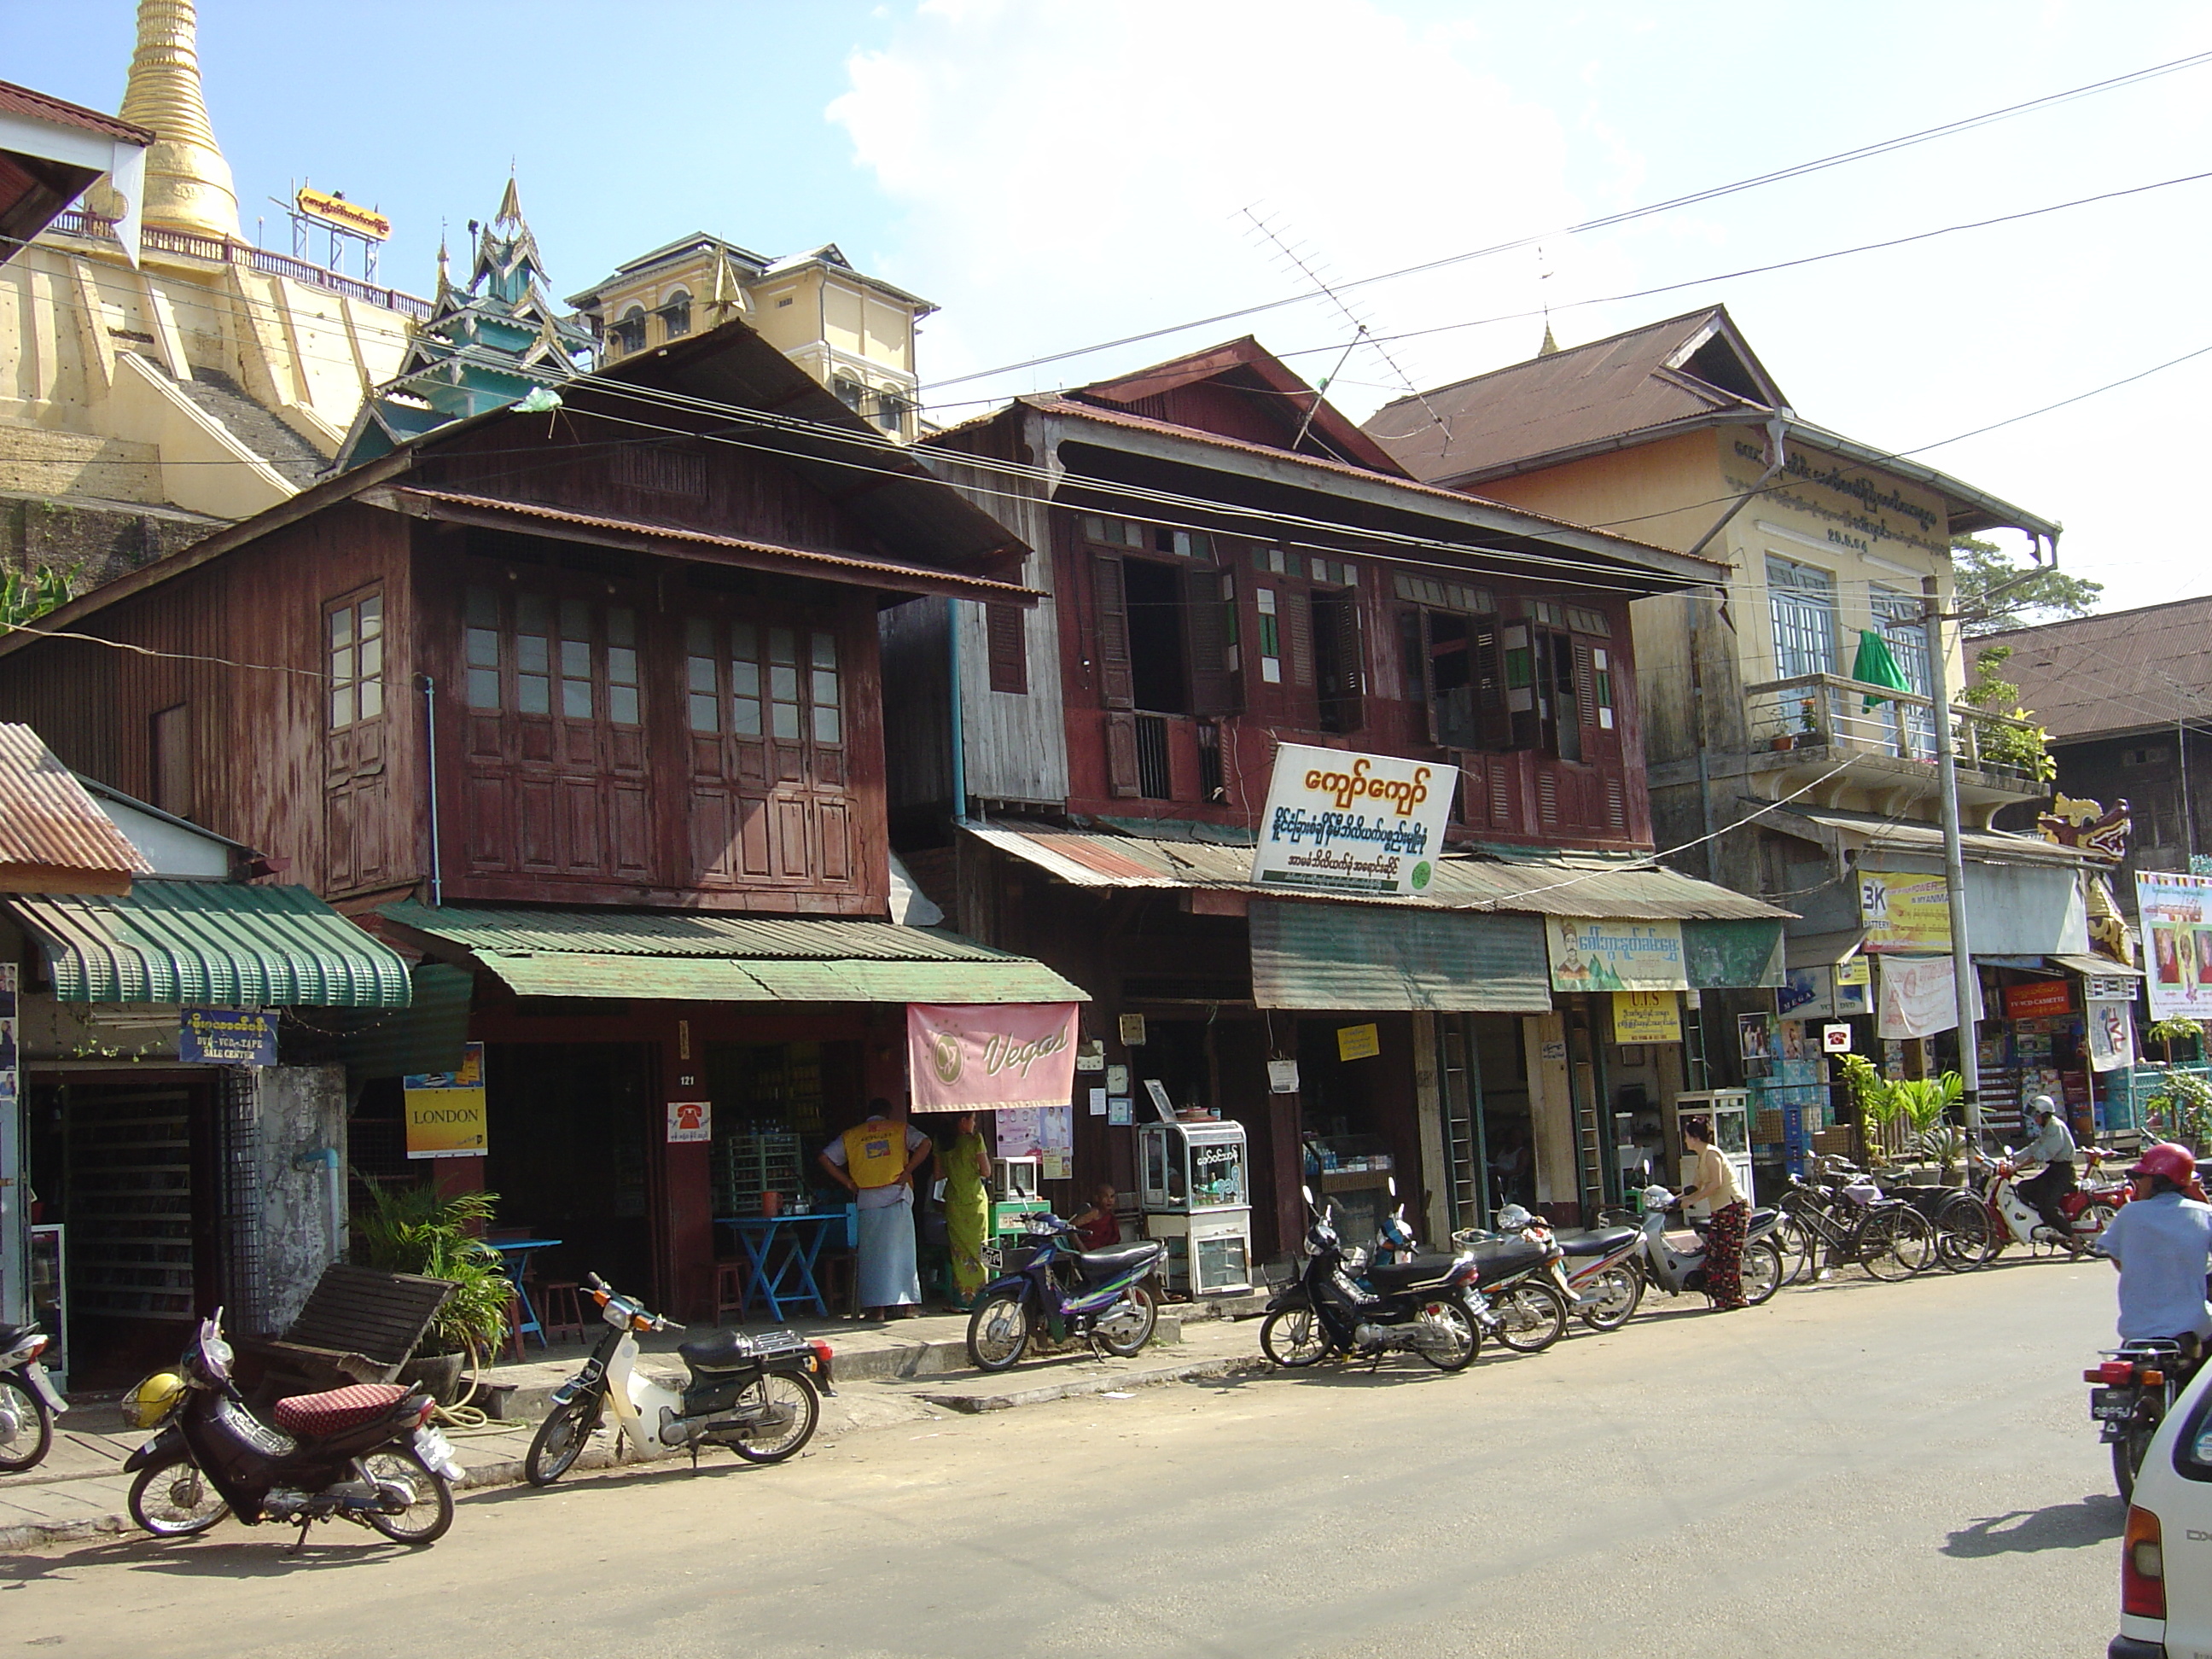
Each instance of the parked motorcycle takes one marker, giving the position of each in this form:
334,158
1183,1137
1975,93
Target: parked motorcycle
1519,1269
1599,1266
1659,1264
758,1396
1097,1295
29,1402
1974,1227
1426,1305
2135,1389
365,1454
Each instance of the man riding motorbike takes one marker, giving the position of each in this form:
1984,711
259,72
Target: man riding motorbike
2052,1146
2161,1243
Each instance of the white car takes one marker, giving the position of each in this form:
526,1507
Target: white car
2165,1570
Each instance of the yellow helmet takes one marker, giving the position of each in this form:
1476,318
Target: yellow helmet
149,1405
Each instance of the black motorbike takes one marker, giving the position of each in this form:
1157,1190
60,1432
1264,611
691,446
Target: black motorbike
1425,1305
365,1454
1098,1295
29,1402
2132,1392
758,1396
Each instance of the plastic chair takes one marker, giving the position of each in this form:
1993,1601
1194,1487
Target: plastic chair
559,1309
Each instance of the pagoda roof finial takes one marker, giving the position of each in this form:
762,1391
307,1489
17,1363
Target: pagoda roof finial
188,183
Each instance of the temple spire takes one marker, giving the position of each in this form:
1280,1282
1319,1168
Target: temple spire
188,184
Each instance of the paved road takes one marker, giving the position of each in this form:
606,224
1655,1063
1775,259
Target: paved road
1857,1468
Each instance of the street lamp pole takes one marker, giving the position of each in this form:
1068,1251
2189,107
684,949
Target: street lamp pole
1955,859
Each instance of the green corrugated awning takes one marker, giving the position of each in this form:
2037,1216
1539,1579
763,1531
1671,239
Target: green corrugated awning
212,942
1369,959
686,957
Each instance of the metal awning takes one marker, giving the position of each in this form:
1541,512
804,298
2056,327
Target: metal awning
1319,956
691,957
2095,967
212,942
1821,950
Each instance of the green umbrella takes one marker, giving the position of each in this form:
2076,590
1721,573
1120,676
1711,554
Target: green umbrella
1874,666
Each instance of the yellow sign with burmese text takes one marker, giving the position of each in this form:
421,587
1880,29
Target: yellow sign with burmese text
1646,1017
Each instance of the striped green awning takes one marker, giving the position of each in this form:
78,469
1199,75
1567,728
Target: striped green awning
1368,959
211,942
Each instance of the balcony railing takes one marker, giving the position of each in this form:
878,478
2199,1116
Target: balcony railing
1828,711
95,227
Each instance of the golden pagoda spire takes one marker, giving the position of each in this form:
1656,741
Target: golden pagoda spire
188,184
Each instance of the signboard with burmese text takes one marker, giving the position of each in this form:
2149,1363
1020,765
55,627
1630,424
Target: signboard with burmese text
1594,954
1341,823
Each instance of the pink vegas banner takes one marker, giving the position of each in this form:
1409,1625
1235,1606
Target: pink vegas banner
978,1057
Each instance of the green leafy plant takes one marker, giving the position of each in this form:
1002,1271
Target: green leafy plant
2179,1106
27,595
1924,1105
2026,750
410,1230
1994,591
2167,1032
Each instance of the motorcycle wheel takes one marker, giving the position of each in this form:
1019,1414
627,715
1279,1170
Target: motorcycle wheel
1896,1244
782,1391
1124,1331
1965,1237
1453,1341
2127,1457
1618,1291
998,1332
173,1499
2096,1217
560,1440
34,1437
429,1510
1293,1337
1531,1317
1761,1273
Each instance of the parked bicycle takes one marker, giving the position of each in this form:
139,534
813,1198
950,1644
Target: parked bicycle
1847,1222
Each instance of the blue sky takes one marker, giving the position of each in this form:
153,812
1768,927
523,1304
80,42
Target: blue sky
1056,174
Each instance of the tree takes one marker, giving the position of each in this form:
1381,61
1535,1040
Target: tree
1978,569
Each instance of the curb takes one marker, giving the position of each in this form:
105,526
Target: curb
1078,1387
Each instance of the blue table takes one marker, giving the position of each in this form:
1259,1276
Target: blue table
790,1280
515,1254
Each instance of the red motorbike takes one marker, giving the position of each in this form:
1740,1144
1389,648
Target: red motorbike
1973,1226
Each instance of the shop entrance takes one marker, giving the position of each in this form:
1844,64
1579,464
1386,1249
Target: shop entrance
569,1138
1489,1139
1357,1118
772,1114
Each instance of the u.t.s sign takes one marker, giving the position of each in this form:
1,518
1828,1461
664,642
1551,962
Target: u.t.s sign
1340,823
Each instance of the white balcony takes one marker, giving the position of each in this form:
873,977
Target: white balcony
1815,722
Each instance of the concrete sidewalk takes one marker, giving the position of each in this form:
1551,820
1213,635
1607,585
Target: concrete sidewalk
899,1371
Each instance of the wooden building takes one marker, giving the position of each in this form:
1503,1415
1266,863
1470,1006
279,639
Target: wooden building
585,700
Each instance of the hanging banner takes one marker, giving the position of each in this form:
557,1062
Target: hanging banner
2111,1036
1615,955
1918,997
980,1057
1341,823
1904,911
445,1110
2175,912
1646,1017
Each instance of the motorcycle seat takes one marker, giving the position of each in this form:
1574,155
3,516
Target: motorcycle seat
1506,1256
1403,1276
1760,1218
1117,1259
717,1351
1604,1241
12,1334
318,1416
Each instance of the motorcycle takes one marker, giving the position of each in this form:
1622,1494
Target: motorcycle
365,1452
1095,1294
1426,1305
758,1396
29,1402
2133,1391
1973,1228
1598,1269
1519,1268
1678,1272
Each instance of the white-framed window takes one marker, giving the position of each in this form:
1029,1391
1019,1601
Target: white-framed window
1803,600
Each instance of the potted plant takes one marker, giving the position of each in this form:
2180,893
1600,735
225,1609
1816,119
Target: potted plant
2180,1107
1809,724
411,1230
2167,1032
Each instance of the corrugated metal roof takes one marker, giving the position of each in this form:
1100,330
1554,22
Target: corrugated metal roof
212,942
2118,670
1561,885
1317,956
53,837
687,957
1866,831
41,106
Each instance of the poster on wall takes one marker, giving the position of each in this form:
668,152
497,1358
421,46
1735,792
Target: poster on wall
2112,1031
1056,1138
1646,1017
985,1056
1905,911
1341,823
1590,955
690,1120
2175,912
1918,997
445,1110
1020,1131
1757,1043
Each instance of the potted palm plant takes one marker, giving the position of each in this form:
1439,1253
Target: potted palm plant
411,1230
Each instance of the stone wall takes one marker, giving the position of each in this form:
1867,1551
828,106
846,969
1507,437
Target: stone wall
302,1113
97,541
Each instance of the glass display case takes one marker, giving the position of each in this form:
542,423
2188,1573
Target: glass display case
1016,1193
1193,1182
1728,1111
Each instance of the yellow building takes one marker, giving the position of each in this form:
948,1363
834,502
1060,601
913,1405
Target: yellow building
143,401
854,334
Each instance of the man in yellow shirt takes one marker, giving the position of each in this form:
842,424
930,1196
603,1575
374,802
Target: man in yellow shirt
876,1162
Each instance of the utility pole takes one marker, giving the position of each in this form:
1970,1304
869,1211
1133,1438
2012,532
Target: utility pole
1954,859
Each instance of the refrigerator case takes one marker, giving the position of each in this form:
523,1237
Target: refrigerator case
1193,1183
1729,1110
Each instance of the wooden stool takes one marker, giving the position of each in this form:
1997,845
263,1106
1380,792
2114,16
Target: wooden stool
559,1311
729,1290
838,1274
514,1324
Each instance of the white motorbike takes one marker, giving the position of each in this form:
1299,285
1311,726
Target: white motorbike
1663,1266
29,1402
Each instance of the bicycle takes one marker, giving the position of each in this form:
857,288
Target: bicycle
1825,1231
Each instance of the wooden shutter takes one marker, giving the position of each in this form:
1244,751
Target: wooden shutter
1487,663
1344,687
1007,650
1116,686
1122,774
1297,634
1214,687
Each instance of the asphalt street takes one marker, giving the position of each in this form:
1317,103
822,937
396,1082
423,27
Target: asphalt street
1857,1468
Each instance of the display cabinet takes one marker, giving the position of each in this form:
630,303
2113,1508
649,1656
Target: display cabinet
1016,1195
1730,1112
1193,1184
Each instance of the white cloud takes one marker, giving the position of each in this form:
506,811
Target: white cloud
1069,172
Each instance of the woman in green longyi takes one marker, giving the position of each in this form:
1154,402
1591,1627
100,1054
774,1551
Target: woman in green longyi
967,1206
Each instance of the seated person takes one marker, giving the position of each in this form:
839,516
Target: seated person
1098,1227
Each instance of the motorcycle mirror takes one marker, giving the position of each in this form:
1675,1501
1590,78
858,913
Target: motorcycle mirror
1392,1182
1306,1193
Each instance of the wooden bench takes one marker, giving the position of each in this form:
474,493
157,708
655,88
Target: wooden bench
359,1326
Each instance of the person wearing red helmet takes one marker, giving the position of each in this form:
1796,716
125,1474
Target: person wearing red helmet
2162,1244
